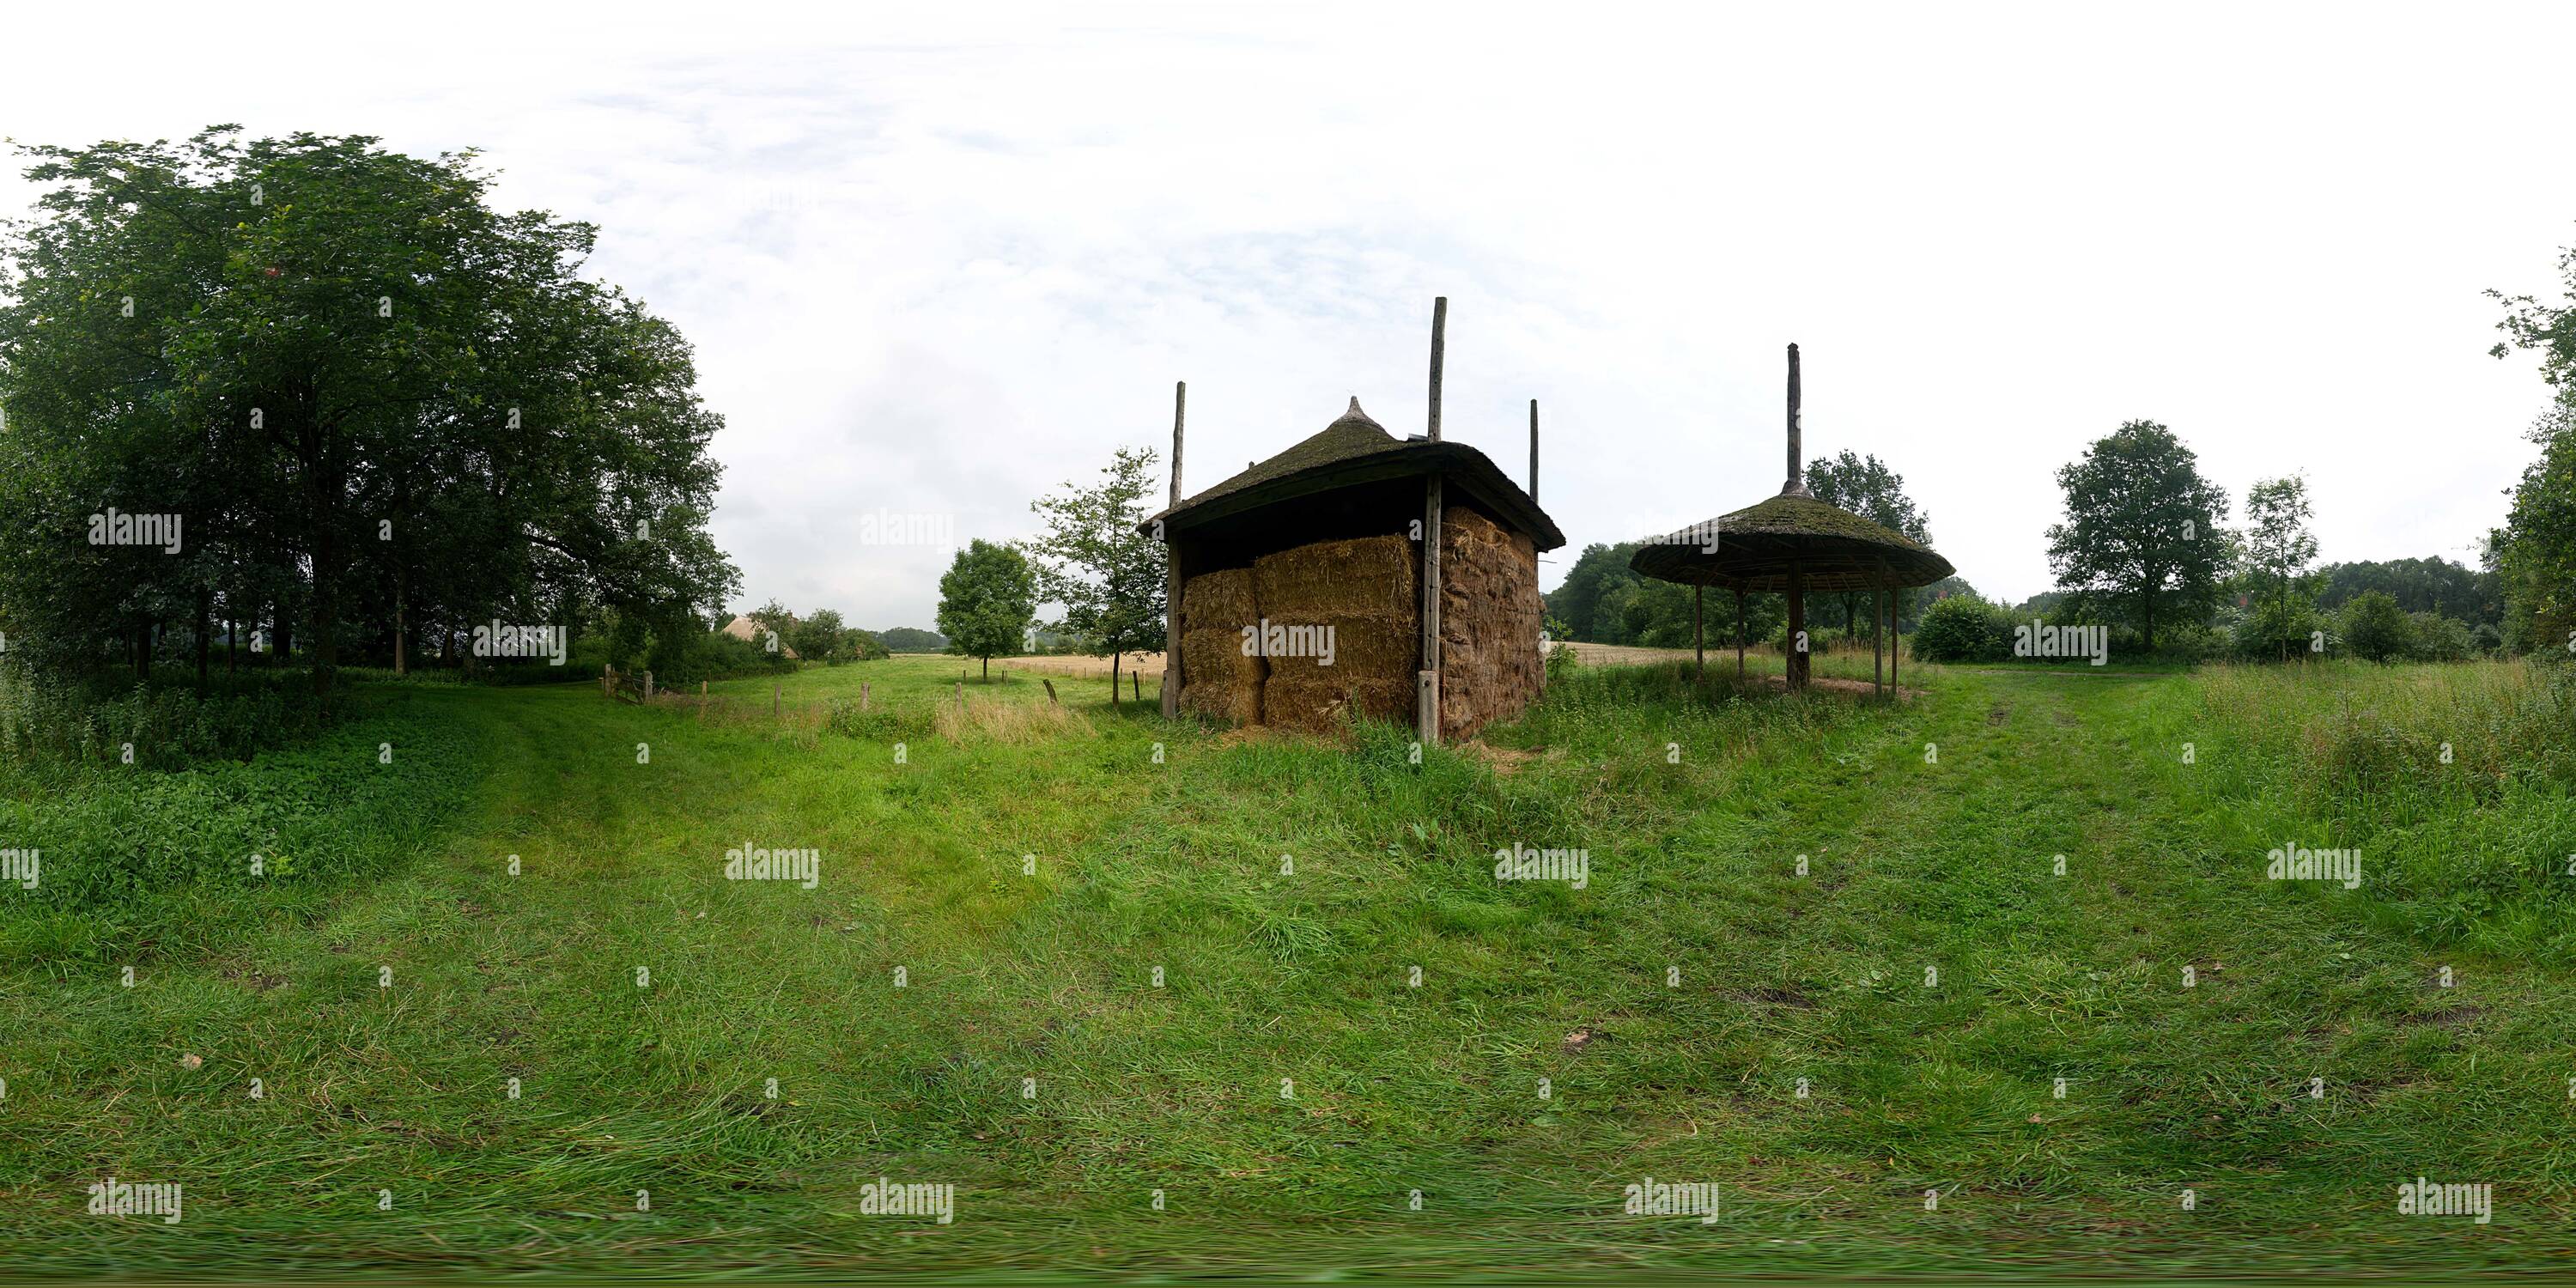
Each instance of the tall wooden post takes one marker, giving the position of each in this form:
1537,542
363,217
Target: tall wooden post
1172,560
1426,696
1699,631
1895,641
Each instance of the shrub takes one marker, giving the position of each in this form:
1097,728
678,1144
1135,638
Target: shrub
1963,628
2374,627
2441,639
2277,630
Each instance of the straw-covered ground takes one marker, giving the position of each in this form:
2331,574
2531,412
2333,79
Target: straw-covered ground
1155,999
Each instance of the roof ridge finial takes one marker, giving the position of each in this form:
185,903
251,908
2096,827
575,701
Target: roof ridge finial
1355,408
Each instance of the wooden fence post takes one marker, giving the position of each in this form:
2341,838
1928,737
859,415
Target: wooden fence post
863,695
648,688
1050,690
774,710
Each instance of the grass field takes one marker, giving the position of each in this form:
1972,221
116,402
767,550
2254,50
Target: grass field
1070,960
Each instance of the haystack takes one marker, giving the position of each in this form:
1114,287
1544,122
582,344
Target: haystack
1326,536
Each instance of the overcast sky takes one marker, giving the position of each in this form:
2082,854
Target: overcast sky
936,265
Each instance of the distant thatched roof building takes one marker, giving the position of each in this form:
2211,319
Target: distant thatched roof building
743,628
1832,548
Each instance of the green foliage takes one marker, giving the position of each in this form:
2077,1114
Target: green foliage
817,637
1963,628
2374,628
908,639
2142,529
167,723
2278,629
985,601
2434,585
2435,638
1109,577
368,396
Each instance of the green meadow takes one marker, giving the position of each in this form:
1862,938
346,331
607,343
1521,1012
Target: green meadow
1161,1000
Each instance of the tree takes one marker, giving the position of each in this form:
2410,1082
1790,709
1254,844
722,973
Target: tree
1108,576
2277,547
2535,552
2141,529
818,637
380,406
861,646
908,639
2374,627
776,627
986,599
1866,487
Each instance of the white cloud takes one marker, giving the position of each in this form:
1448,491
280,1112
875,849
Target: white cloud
934,264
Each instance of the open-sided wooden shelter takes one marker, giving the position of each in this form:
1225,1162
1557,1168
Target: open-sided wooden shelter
1790,545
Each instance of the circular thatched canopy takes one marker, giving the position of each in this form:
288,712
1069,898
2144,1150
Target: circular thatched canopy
1755,548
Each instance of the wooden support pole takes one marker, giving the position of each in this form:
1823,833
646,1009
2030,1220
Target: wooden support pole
1439,346
1797,659
1427,697
648,688
1172,562
1426,712
1050,688
1739,634
1877,641
1895,641
1699,631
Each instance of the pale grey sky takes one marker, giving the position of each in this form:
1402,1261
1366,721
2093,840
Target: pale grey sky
935,265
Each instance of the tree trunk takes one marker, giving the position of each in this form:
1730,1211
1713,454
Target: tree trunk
1113,681
1797,660
143,650
205,628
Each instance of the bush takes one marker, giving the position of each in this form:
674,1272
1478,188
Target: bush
2277,630
1963,628
168,722
2441,639
2375,628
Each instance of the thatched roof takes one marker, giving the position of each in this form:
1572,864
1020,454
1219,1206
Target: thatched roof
1833,548
1356,449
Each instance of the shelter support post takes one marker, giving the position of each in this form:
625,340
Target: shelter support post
1699,631
1877,640
1797,660
1172,562
1426,703
1739,634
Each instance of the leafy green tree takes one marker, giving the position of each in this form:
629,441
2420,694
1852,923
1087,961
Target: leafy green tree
986,599
1866,487
861,646
2141,529
774,625
1108,576
817,637
2374,627
2432,585
383,409
2278,546
2535,552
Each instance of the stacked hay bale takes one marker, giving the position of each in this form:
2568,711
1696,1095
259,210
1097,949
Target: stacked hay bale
1364,589
1490,618
1221,680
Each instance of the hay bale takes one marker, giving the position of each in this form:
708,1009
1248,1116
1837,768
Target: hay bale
1218,600
1334,580
1375,648
1219,679
1490,617
1317,702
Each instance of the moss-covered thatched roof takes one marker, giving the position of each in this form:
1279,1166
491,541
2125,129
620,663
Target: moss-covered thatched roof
1356,449
1754,548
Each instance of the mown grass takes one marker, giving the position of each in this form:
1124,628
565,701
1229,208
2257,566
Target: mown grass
1287,1085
